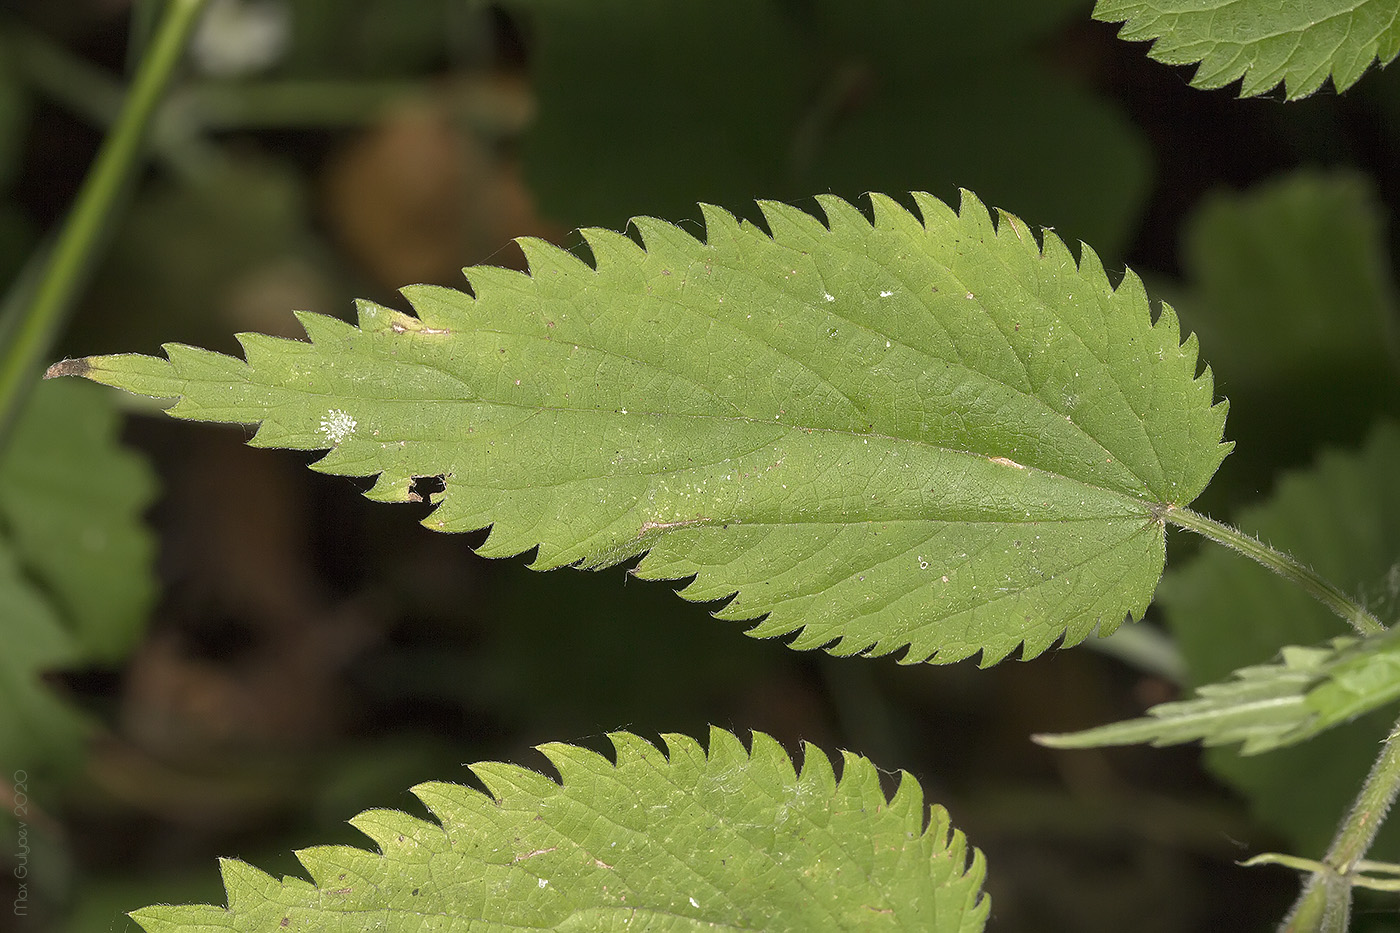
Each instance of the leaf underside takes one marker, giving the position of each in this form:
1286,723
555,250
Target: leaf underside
729,839
930,434
1267,706
1266,42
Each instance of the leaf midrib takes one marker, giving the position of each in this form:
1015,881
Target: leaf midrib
726,418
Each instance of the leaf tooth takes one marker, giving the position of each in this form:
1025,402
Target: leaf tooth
765,749
452,805
188,361
663,238
439,308
891,215
583,767
934,213
390,486
345,870
550,263
325,332
510,784
498,283
1011,227
631,750
725,747
973,216
817,771
1168,326
267,354
993,651
721,226
612,251
371,317
1386,49
1056,253
395,832
791,226
246,885
860,781
498,544
684,748
908,801
1092,274
842,216
1037,641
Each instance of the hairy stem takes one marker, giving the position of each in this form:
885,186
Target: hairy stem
30,337
1325,904
1280,563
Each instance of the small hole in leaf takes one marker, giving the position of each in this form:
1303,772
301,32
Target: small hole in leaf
425,487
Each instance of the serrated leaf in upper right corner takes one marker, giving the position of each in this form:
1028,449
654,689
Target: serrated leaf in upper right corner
1267,43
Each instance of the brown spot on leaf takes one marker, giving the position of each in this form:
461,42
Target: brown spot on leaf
78,367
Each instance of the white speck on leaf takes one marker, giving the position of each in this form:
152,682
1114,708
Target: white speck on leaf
694,902
923,564
337,425
829,296
543,883
886,294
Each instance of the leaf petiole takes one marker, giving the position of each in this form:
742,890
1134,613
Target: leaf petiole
1284,565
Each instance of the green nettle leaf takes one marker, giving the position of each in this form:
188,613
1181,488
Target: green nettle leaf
1342,517
39,731
75,574
1308,691
71,500
935,435
1265,42
674,841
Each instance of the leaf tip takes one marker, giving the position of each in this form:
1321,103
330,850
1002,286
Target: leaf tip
1052,740
78,367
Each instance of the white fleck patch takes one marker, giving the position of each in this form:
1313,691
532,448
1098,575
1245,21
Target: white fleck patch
971,297
543,883
337,425
624,411
829,296
887,344
1004,461
694,902
945,578
886,294
923,564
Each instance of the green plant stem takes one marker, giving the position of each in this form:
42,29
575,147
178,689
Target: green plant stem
1280,563
1325,903
77,244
